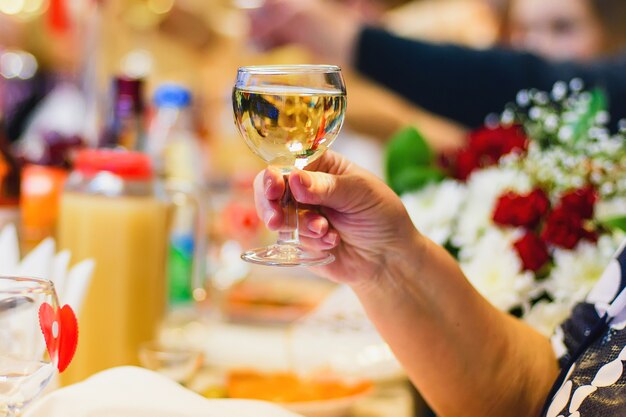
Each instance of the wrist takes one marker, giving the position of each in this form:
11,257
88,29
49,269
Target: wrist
398,268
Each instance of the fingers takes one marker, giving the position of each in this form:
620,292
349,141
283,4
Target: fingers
316,232
327,243
312,224
338,192
332,163
269,186
314,229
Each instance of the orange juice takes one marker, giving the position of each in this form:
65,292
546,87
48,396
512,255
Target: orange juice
126,234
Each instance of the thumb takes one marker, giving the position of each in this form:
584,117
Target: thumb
337,192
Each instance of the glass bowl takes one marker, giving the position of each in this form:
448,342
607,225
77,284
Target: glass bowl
177,363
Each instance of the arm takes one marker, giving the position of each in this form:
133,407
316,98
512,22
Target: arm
456,82
466,358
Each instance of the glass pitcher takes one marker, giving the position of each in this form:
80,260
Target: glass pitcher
115,212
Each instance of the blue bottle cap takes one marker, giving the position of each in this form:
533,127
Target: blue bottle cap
172,95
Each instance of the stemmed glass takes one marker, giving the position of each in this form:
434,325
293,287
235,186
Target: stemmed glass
289,115
26,367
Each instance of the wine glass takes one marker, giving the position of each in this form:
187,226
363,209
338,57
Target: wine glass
289,115
26,367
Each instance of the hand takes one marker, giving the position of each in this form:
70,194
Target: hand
351,213
327,29
447,337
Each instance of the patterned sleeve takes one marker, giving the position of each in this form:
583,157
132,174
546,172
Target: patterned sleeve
571,334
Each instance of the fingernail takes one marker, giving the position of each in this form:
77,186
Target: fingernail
330,238
315,227
268,217
268,185
305,179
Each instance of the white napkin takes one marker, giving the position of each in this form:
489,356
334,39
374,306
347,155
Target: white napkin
136,392
42,262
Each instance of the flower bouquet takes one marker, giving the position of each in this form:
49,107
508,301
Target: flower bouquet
533,207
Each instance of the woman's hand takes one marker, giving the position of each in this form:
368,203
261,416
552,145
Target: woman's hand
351,213
454,345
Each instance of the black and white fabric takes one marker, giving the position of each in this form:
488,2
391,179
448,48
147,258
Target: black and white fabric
591,346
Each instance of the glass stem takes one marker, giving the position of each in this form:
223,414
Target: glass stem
288,235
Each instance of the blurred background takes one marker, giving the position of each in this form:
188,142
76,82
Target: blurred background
84,73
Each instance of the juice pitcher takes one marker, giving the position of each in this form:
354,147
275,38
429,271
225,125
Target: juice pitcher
114,211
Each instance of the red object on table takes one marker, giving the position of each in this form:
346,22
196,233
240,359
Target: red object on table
60,330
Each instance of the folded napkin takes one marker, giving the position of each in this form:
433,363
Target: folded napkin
136,392
42,262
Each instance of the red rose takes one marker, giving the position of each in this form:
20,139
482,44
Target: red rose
580,201
485,147
466,163
521,210
563,228
532,251
492,144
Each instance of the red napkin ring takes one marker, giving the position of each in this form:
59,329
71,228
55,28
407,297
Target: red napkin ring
60,330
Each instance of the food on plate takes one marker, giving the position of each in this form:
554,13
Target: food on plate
277,299
284,387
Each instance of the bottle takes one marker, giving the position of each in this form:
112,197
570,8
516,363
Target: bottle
41,187
42,182
173,144
112,210
125,124
176,152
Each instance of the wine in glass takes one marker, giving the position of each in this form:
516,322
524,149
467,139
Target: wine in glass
26,366
288,116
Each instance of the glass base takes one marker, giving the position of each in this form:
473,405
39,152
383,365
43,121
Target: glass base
287,255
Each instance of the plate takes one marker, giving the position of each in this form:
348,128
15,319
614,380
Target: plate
336,407
321,395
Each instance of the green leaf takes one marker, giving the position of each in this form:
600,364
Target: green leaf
415,177
406,150
597,104
615,223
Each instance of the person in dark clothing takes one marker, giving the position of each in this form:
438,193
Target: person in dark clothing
462,84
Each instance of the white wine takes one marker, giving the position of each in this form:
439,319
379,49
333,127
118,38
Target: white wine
288,126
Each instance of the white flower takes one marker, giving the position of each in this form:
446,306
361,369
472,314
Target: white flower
434,209
495,270
545,316
607,209
576,271
484,187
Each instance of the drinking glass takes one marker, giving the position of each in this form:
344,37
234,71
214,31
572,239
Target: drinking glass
26,367
289,115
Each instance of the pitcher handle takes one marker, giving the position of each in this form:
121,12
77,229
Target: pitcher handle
181,194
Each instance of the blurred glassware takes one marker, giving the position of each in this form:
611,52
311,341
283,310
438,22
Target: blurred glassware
233,225
125,124
26,367
177,363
